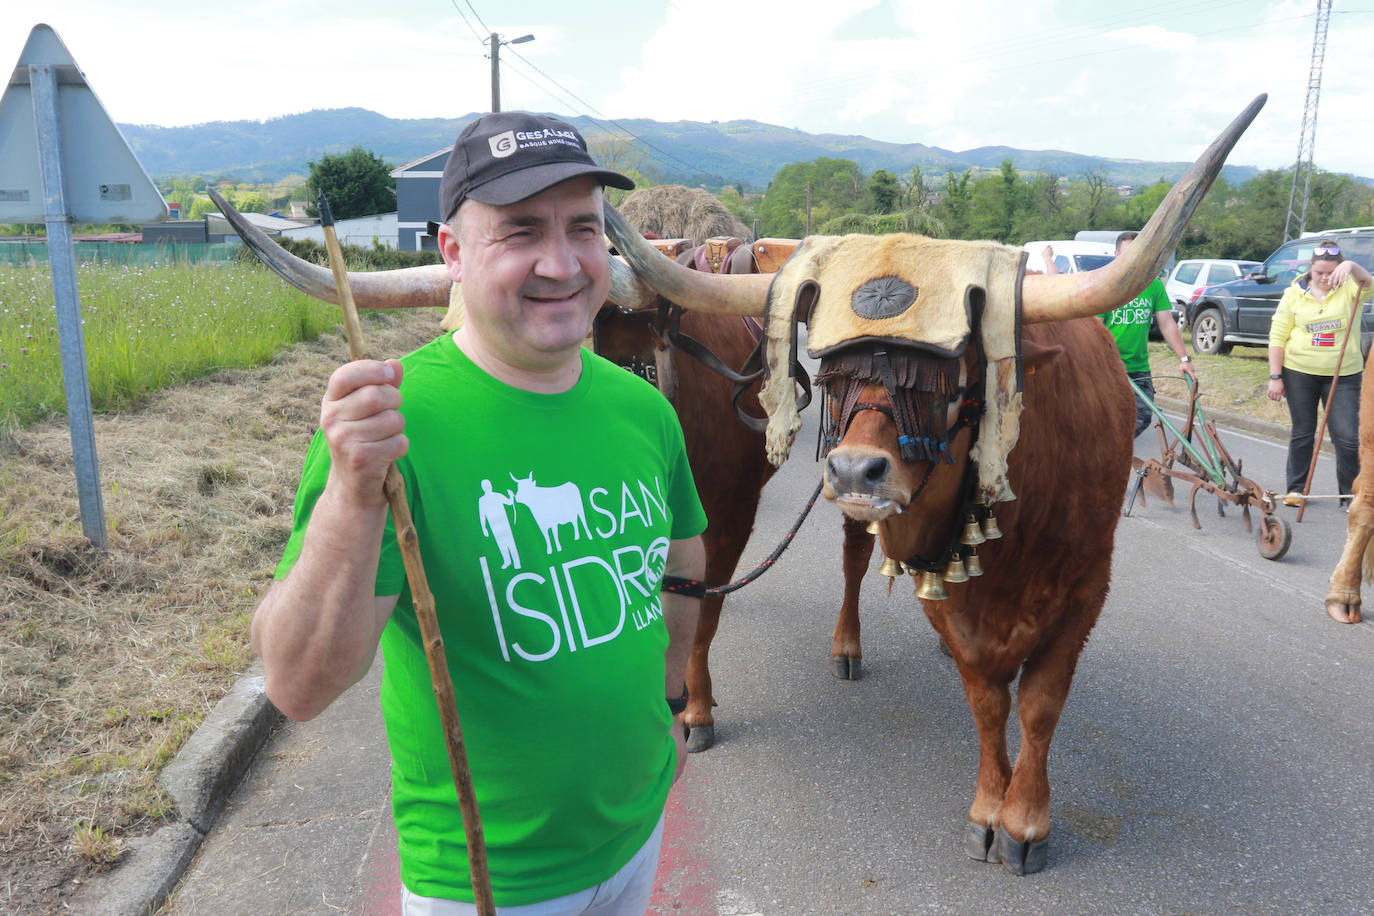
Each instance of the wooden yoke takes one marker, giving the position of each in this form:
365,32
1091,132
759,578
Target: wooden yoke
423,600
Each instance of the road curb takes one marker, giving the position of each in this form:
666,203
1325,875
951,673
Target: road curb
200,780
1228,420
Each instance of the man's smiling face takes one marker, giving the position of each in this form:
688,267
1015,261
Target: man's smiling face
533,273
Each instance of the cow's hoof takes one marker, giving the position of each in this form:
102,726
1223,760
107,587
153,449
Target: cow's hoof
700,738
1022,858
846,668
1342,612
978,842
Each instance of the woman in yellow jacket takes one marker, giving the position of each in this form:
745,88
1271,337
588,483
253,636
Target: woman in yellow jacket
1304,343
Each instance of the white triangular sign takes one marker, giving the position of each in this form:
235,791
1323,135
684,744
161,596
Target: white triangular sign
103,181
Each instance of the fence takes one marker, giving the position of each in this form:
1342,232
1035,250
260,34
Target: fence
20,254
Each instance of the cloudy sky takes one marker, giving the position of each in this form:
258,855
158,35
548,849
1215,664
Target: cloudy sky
1145,80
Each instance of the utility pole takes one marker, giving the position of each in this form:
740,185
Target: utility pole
1302,167
496,42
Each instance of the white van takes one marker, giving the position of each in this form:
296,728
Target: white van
1069,256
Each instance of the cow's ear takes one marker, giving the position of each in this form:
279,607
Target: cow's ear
1036,356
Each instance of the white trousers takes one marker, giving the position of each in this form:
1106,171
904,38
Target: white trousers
626,893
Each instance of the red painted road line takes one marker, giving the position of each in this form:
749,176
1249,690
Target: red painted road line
687,881
380,875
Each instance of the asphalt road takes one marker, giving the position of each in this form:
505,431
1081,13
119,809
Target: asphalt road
1212,757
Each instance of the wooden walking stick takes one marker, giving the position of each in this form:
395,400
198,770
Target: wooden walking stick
1330,394
423,601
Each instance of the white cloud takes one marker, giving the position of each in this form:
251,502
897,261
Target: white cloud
1131,79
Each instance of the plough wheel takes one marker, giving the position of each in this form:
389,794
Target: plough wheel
1275,536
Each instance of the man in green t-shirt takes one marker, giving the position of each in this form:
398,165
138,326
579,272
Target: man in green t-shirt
551,496
1130,325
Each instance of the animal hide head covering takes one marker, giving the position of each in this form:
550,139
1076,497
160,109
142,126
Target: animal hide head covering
903,291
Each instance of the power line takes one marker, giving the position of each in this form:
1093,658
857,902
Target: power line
628,136
463,16
477,17
632,136
620,132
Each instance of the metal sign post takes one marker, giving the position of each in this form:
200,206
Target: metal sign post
62,260
62,159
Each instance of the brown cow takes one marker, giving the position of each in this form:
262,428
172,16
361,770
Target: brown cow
924,347
1357,561
727,458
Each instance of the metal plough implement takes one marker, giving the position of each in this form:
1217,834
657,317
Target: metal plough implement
1195,455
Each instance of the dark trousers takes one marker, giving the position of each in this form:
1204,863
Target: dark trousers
1144,416
1304,392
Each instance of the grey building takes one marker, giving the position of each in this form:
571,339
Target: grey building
417,200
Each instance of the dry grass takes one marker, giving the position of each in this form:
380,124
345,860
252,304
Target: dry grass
110,660
672,211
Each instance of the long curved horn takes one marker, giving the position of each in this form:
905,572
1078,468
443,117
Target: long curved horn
725,294
627,289
1063,296
410,287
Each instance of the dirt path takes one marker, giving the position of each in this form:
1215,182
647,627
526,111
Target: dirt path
109,660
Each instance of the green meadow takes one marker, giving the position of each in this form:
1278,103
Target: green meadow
145,328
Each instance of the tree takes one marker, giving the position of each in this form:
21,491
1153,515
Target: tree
199,207
252,202
614,153
915,191
743,207
883,192
836,188
357,183
952,210
1095,183
994,203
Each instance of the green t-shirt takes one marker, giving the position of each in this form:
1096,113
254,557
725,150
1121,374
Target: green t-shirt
1130,325
544,523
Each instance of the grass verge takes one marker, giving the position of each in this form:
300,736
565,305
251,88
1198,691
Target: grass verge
109,660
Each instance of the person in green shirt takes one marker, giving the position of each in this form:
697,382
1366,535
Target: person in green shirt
1130,325
551,496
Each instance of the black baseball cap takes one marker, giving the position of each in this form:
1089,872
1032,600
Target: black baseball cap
508,156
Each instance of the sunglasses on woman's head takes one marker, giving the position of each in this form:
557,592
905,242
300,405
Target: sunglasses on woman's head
1327,251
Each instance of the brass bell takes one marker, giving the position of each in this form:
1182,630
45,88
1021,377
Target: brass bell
891,568
971,564
931,588
955,571
973,534
990,529
873,528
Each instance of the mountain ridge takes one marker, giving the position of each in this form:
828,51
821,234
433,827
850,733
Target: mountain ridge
715,153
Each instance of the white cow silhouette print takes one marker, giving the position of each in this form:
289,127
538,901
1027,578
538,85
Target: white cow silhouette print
553,507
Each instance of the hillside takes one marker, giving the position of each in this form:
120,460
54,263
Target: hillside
689,152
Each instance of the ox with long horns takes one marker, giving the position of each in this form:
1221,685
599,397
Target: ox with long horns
1356,564
981,418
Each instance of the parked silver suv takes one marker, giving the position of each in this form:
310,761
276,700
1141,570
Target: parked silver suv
1189,276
